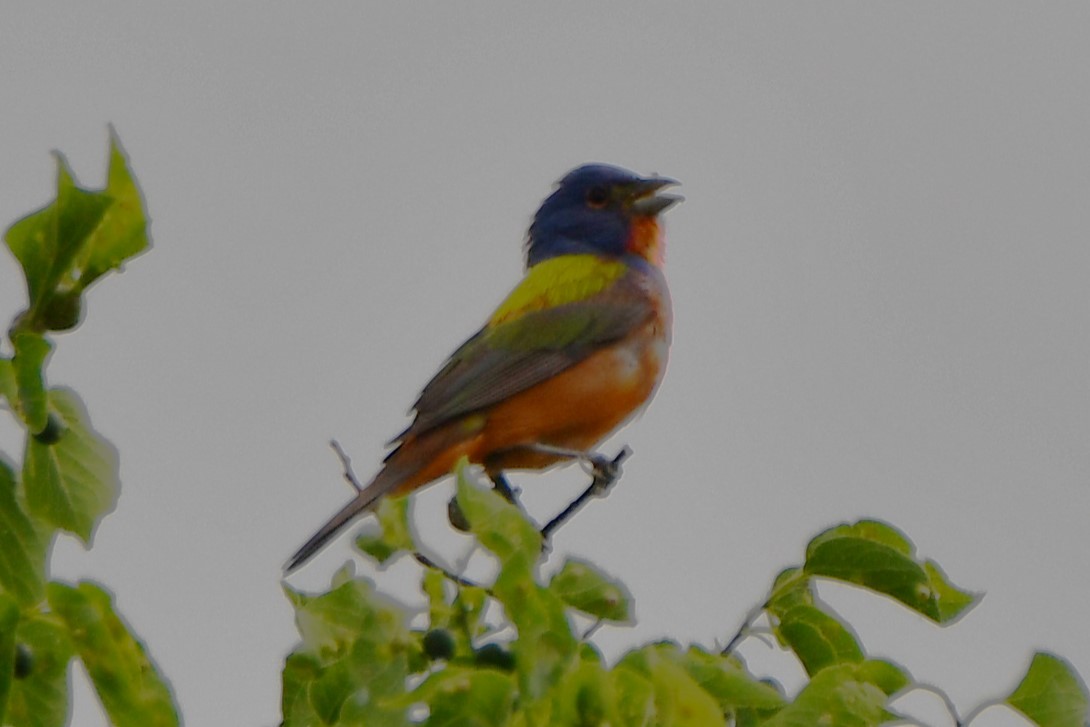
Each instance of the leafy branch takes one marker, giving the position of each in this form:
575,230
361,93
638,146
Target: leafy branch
68,480
365,659
509,651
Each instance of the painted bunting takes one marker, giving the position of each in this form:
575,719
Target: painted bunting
572,353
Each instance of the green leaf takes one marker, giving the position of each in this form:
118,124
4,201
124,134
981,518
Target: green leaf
300,672
394,535
872,531
352,690
47,241
31,351
586,696
731,685
469,607
818,638
331,622
679,698
122,232
1051,694
127,682
40,698
22,567
498,525
635,697
66,246
885,675
440,609
458,696
8,388
546,646
879,557
951,601
803,624
790,587
849,695
73,483
9,620
583,587
353,662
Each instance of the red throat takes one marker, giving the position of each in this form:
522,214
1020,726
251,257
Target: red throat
646,240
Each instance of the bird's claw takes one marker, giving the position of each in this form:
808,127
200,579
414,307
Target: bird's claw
606,471
505,489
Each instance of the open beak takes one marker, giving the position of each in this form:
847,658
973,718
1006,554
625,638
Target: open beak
645,201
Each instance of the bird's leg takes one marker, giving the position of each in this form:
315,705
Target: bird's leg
503,487
507,492
601,467
605,472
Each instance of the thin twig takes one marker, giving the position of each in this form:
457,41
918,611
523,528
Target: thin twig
453,577
501,485
350,477
606,472
346,463
745,629
592,629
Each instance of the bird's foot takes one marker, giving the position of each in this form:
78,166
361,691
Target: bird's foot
605,472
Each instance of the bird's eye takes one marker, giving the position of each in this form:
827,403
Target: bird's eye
597,197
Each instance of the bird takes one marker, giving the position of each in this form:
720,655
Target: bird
572,353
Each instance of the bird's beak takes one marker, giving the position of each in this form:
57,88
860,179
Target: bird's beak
645,202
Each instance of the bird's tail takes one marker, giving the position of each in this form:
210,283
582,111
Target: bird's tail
360,504
414,463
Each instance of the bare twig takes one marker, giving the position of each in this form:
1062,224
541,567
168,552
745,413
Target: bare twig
504,488
346,463
592,629
745,630
605,472
450,576
424,560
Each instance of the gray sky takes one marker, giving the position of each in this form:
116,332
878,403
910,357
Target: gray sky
879,280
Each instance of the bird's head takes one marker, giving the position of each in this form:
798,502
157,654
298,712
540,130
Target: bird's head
603,210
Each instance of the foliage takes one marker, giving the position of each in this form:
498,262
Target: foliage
68,480
506,652
362,660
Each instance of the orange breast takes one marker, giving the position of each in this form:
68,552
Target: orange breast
576,409
579,407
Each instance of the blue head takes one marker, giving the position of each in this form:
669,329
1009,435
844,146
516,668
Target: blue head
597,209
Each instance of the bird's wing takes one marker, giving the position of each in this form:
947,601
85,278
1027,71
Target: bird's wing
526,347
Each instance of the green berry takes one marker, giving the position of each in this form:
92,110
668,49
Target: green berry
439,644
